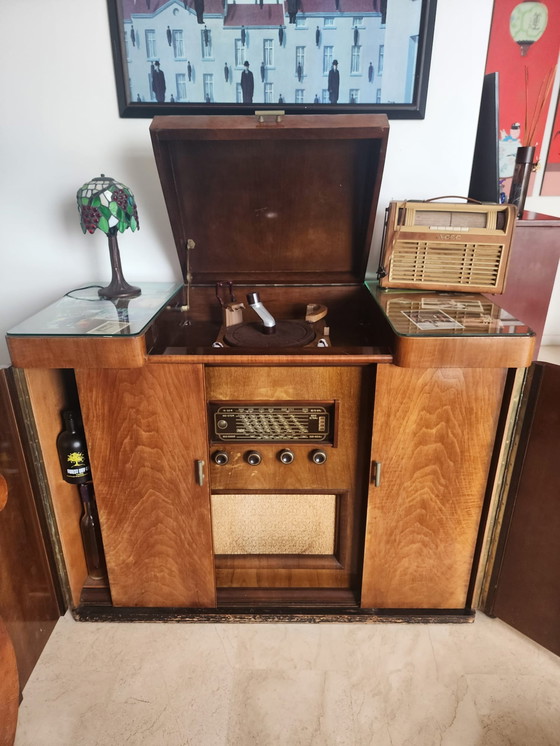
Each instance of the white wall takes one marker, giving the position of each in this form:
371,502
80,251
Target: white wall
551,331
60,127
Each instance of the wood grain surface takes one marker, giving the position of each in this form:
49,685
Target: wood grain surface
77,352
466,352
433,432
146,428
9,689
28,601
287,219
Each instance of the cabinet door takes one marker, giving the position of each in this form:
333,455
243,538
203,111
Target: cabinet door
433,434
525,587
146,432
28,595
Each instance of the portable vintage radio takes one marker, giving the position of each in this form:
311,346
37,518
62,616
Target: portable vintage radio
447,246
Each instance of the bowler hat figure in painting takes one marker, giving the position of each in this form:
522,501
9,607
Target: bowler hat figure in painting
158,83
247,84
293,7
199,9
334,82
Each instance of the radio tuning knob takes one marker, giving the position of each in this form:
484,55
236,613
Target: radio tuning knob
220,457
318,456
286,456
253,458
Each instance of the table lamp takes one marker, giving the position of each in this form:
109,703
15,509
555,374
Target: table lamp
110,206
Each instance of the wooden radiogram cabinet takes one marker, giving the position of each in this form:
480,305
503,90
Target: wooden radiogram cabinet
340,465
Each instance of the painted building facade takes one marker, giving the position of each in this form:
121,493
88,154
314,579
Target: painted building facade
218,51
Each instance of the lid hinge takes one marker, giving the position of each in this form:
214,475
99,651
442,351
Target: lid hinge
269,116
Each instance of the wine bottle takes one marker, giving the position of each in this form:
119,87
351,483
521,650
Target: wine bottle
74,462
91,535
72,451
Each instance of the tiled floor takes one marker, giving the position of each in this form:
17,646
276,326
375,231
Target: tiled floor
107,684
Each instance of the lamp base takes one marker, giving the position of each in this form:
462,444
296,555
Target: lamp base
119,289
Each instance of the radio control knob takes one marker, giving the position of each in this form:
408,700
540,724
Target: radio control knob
220,457
286,456
222,424
318,456
253,458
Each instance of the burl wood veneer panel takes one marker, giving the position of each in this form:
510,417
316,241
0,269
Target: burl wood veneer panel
433,433
146,428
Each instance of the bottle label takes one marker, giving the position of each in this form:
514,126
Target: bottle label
76,465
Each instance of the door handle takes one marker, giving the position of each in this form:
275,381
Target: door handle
200,472
375,474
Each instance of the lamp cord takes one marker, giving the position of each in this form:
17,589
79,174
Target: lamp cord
86,287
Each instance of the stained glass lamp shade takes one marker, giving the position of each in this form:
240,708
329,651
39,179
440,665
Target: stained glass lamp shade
109,206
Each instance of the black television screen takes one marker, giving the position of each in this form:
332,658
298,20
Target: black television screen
485,173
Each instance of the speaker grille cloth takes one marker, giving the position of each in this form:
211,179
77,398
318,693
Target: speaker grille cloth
274,524
437,263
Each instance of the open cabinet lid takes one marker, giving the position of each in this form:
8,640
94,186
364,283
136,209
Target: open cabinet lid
288,202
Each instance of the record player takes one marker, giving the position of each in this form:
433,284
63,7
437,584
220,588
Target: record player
277,435
272,221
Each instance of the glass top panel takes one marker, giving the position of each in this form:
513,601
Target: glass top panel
424,313
83,313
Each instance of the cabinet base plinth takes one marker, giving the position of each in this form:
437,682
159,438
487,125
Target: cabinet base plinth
283,615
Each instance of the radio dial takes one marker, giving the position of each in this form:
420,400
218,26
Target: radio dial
221,458
253,458
286,456
318,456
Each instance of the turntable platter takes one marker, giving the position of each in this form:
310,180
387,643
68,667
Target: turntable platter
289,333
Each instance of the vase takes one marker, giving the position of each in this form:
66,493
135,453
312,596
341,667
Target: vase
524,164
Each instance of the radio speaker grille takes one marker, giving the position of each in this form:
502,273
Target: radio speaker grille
434,264
274,524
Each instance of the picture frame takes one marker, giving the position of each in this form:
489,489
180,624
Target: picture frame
297,56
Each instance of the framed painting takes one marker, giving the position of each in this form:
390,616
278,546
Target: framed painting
300,56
